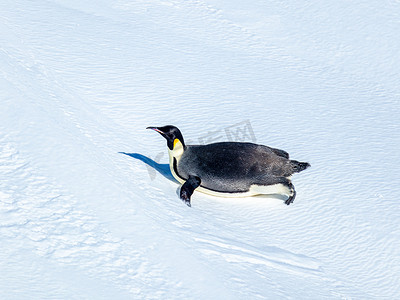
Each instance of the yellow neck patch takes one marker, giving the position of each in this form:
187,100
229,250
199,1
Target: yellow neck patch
176,141
177,149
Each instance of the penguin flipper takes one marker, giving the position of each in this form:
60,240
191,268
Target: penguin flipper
188,188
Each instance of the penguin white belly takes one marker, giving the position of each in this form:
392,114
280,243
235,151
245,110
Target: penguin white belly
253,191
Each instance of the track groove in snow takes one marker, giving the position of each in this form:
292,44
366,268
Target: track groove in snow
272,257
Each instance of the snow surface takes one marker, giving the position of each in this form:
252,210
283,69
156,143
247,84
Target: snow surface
81,80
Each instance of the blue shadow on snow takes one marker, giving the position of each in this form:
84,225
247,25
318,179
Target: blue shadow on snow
163,169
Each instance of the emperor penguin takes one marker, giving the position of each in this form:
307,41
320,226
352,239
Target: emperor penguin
229,169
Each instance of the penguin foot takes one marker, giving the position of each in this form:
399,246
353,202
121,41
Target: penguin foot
291,198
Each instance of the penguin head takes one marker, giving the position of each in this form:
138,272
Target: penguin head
173,136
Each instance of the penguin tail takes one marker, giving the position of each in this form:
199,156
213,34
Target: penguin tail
299,166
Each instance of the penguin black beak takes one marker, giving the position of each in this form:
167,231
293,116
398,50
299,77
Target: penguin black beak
156,129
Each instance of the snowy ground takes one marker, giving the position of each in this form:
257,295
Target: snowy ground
81,80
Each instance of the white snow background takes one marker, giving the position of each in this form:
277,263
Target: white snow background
81,80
